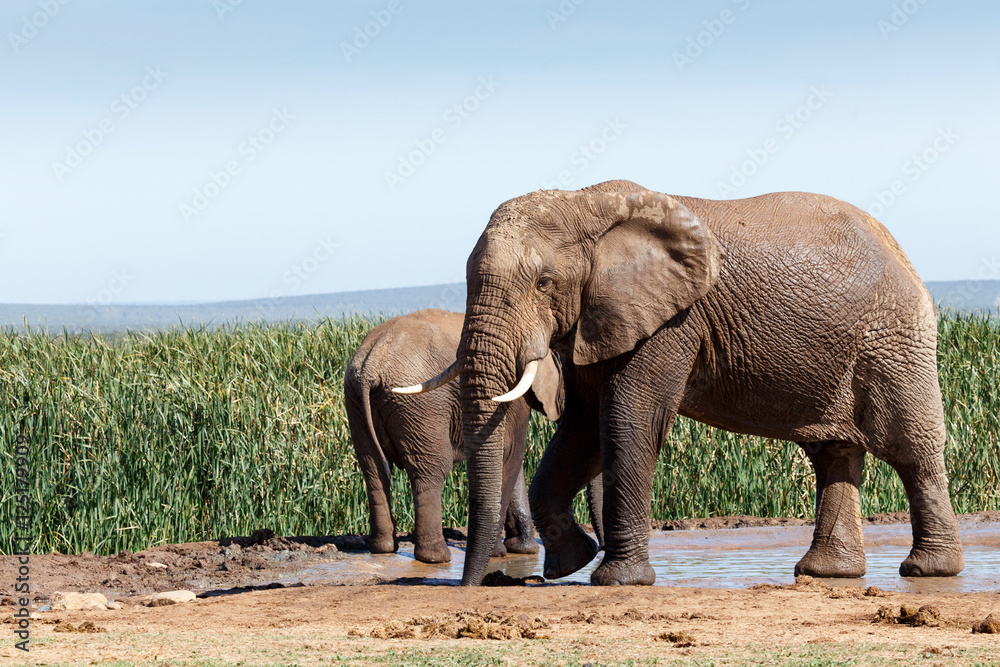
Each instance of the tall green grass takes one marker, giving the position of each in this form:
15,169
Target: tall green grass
186,435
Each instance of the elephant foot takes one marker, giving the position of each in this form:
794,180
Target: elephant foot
436,552
499,550
570,556
623,573
832,562
521,545
937,562
382,544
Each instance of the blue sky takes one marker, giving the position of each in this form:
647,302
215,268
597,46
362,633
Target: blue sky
200,150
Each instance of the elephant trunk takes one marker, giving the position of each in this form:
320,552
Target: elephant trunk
488,366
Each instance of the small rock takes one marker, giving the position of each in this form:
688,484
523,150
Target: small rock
260,536
168,598
115,605
69,601
350,543
153,565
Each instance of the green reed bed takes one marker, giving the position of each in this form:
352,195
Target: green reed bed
183,435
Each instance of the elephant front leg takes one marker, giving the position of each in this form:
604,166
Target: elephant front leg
629,461
571,460
838,545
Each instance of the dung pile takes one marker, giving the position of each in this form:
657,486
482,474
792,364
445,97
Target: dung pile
926,616
806,584
85,627
679,639
498,578
989,626
463,624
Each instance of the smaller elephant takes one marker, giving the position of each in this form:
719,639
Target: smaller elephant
422,434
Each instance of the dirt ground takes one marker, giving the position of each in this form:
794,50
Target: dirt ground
250,611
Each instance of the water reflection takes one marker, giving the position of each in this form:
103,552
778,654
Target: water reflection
718,559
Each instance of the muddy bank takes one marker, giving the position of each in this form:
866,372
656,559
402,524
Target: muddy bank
388,624
208,568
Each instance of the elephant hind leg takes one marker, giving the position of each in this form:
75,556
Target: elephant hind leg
428,537
375,468
520,532
595,503
837,548
905,427
937,549
571,460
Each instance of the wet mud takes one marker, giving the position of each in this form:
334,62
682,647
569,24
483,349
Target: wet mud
763,552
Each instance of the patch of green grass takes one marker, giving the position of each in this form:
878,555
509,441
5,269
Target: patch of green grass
623,652
185,435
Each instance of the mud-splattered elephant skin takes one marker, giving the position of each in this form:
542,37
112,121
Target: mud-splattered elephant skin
792,315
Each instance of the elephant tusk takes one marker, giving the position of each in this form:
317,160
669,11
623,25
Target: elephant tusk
522,386
442,378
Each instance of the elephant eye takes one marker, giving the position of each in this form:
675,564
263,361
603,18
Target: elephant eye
544,284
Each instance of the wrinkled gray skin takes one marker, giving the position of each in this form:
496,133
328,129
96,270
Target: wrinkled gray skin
422,434
791,315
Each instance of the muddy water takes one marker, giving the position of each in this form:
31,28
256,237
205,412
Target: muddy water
717,559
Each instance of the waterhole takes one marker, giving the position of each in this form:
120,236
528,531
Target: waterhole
734,558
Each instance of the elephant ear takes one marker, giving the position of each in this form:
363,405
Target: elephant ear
653,261
547,388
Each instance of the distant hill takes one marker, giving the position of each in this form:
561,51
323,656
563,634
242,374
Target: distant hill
966,295
106,319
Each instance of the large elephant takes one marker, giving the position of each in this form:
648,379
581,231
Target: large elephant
423,434
791,315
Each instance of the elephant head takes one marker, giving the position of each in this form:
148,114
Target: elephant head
592,273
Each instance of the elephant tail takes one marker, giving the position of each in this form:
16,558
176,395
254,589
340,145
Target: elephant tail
366,406
372,459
